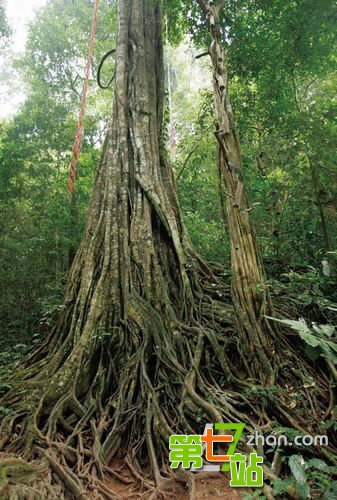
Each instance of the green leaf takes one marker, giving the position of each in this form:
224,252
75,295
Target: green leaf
313,353
314,340
296,464
317,464
280,486
302,328
303,490
327,330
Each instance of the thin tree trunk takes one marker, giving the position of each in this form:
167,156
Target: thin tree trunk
320,208
313,172
249,288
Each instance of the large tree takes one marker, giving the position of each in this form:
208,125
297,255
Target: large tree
141,347
129,337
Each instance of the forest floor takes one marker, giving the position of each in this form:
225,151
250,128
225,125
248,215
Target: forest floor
208,486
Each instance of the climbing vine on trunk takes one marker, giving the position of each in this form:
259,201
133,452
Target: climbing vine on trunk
251,298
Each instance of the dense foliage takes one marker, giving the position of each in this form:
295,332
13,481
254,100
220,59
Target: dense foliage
39,224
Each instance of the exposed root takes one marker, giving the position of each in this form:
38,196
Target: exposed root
147,382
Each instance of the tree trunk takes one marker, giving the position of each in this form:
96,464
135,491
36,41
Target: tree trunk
314,175
250,293
120,367
320,208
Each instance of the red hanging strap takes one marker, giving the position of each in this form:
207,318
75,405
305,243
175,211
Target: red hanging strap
79,133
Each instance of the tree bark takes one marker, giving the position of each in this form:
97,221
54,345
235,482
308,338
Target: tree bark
250,293
320,208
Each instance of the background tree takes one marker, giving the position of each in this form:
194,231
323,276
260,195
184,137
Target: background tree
284,109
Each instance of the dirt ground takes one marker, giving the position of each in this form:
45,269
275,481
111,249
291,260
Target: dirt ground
208,486
212,486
